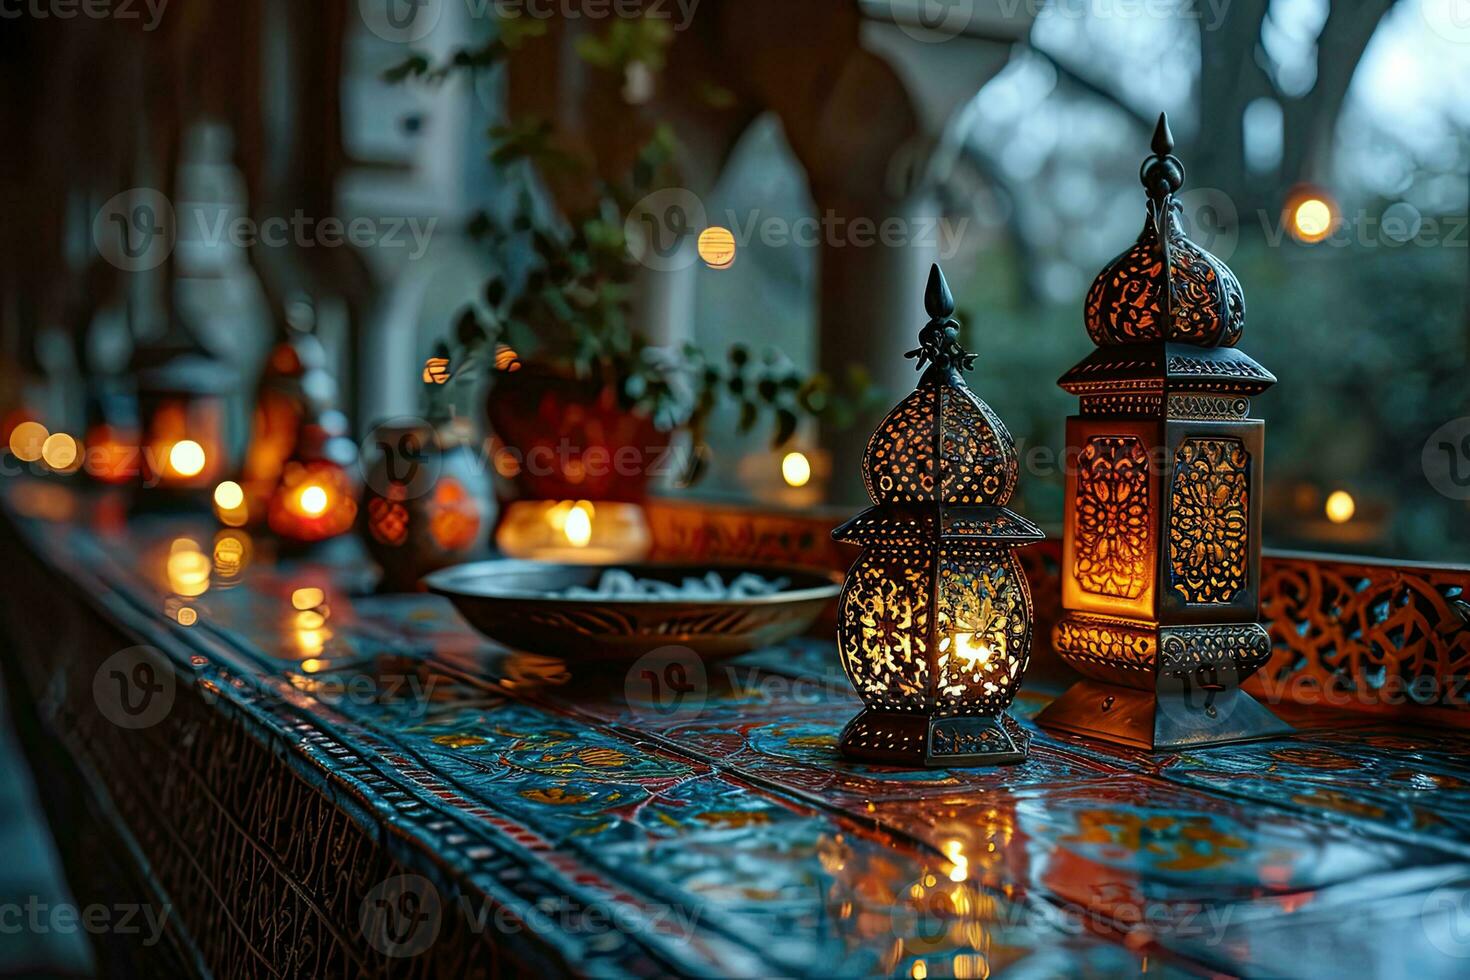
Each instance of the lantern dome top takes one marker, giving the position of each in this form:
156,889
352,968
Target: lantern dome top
941,444
1165,287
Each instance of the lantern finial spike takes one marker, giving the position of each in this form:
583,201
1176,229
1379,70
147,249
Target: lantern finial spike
939,341
1162,174
938,300
1163,142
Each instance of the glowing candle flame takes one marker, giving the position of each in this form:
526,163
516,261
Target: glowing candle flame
971,650
313,500
578,526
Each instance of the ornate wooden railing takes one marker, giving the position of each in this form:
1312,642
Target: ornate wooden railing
1354,634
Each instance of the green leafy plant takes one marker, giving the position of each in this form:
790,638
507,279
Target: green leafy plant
561,294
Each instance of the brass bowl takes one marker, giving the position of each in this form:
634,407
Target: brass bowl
512,603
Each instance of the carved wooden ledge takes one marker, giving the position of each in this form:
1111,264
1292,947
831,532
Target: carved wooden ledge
1357,634
1363,634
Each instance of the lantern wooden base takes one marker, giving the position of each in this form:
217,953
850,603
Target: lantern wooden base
901,739
1161,720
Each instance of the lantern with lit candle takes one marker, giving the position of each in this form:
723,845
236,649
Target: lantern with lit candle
181,400
316,497
934,623
1161,556
295,390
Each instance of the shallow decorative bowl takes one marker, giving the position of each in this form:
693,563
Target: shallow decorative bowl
512,603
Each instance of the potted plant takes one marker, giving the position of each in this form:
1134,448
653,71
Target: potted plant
582,404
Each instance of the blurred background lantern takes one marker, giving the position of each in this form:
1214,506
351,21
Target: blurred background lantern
427,501
296,389
934,623
182,395
316,496
1161,564
110,440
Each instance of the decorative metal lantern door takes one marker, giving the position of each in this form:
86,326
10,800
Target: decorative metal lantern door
934,623
1161,556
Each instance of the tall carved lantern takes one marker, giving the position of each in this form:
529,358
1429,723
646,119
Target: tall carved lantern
934,623
1161,556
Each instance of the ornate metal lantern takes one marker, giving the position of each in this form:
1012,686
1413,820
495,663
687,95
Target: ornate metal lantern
934,623
1161,555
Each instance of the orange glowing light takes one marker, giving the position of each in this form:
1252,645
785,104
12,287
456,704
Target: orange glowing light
27,441
307,598
1341,507
796,470
312,642
577,524
229,495
310,619
187,568
312,500
1313,216
454,518
61,453
717,247
972,650
111,455
388,521
231,553
186,458
506,359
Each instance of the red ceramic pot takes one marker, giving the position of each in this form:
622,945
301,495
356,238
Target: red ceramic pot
565,438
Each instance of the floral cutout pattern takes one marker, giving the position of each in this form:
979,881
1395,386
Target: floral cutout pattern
884,623
1113,542
899,464
1209,542
984,625
1196,300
